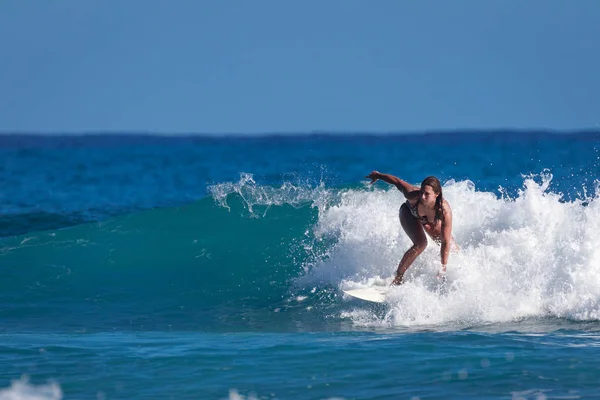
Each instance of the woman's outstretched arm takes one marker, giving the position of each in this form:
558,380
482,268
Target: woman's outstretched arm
406,188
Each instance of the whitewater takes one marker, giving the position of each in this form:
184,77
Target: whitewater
531,256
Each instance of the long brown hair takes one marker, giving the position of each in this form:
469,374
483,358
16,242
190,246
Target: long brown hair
437,189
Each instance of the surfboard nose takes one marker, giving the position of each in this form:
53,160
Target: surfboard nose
375,294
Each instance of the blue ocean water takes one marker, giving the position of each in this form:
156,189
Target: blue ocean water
204,267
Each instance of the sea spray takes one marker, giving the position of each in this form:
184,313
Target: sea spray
531,255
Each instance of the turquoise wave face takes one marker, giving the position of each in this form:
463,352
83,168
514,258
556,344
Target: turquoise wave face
192,266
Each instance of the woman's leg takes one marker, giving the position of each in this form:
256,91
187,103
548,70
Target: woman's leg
414,230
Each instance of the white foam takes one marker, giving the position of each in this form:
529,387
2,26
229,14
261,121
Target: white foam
253,194
532,256
23,390
235,395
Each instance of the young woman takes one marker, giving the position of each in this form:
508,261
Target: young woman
425,211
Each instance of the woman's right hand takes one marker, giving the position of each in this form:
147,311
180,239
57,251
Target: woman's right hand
397,281
373,176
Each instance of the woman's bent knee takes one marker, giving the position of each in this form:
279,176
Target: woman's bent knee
420,247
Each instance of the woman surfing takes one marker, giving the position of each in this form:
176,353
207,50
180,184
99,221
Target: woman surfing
425,211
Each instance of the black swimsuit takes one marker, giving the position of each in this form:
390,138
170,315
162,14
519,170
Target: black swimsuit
415,212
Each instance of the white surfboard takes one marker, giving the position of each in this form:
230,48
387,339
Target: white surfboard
375,294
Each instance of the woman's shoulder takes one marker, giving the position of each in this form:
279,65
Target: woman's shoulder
413,202
446,206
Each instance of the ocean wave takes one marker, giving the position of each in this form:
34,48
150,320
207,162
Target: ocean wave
276,257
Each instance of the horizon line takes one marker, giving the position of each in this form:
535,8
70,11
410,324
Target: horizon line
298,133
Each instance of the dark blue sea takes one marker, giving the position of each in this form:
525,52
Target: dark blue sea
213,267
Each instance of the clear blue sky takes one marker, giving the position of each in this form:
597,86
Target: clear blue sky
214,66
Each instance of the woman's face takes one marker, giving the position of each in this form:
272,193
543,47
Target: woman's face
428,196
